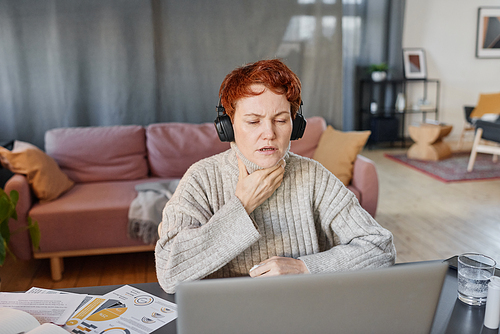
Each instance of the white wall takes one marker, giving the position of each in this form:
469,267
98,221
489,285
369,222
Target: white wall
446,30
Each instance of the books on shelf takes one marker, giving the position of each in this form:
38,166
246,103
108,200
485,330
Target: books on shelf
42,311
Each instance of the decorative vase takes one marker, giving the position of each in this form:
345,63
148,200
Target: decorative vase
400,102
379,76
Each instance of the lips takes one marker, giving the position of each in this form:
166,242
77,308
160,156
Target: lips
267,149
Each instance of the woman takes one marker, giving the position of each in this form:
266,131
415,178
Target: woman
258,209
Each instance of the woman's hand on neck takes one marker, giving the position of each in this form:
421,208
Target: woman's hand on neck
253,189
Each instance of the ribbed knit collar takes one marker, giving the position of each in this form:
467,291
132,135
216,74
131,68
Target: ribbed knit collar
251,167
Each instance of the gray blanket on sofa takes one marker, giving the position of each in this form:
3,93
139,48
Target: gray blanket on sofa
145,212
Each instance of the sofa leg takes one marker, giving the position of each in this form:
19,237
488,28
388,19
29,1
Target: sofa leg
56,268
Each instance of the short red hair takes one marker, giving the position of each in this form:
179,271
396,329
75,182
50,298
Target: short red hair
273,74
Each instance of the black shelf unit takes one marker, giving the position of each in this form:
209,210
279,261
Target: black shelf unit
387,123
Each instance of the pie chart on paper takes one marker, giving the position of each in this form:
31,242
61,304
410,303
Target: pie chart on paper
116,330
107,314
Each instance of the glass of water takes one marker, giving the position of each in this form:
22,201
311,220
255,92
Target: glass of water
474,272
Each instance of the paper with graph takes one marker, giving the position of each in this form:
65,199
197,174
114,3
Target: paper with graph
126,310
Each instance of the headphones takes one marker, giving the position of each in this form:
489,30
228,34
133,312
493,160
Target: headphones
225,131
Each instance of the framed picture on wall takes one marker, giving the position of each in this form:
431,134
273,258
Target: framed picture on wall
414,64
488,32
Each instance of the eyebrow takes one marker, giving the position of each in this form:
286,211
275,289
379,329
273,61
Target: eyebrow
260,116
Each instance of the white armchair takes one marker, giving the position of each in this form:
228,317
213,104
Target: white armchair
487,140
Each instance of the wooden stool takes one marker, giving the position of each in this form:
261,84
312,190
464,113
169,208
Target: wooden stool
429,143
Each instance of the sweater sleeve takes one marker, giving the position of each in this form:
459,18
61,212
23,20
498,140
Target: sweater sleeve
351,239
195,242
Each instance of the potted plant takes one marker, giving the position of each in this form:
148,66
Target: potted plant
378,71
7,211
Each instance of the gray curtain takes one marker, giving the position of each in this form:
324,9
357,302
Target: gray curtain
74,63
106,62
372,33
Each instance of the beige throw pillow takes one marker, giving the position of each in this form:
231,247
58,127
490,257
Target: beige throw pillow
47,181
338,150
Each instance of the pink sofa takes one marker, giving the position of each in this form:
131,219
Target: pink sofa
107,162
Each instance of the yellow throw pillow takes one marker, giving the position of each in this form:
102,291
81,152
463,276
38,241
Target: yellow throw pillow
487,104
338,150
47,181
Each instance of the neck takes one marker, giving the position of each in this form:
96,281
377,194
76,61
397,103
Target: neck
252,167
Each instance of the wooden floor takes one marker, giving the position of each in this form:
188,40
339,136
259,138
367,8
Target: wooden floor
433,220
429,220
113,269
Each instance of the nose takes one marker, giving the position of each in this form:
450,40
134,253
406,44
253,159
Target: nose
268,131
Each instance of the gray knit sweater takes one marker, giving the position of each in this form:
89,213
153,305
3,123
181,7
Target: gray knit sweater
206,231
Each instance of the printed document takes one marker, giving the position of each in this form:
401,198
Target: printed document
124,310
46,308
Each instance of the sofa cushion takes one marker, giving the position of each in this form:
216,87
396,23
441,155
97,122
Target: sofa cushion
173,147
338,150
487,104
90,215
306,146
45,178
104,153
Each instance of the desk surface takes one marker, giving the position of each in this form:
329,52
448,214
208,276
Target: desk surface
452,316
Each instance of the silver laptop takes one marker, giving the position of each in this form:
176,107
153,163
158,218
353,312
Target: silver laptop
400,299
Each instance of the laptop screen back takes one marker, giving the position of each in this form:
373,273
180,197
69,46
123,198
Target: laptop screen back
400,299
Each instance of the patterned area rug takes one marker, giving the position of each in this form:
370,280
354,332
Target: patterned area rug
454,169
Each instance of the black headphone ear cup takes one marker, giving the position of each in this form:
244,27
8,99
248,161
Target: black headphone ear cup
299,126
224,128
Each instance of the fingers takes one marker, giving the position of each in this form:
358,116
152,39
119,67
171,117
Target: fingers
271,174
277,171
242,168
253,189
256,273
279,266
282,163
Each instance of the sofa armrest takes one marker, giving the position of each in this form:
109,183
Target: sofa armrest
365,179
20,243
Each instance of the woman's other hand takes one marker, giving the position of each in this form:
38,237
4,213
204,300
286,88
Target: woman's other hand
253,189
279,266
